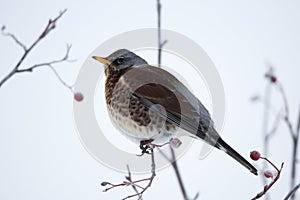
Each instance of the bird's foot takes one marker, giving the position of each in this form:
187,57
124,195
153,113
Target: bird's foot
146,147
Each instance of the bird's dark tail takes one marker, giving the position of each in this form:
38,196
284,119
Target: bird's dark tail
230,151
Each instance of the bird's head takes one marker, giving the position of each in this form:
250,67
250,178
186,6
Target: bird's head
120,60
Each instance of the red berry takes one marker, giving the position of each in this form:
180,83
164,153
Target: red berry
175,143
273,79
268,174
254,155
78,96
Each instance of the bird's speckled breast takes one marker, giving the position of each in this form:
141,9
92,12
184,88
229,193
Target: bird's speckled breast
129,115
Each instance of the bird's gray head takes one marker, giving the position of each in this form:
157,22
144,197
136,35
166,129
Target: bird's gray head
120,59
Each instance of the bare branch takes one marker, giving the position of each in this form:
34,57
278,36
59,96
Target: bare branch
60,79
148,145
153,174
50,63
292,192
273,130
286,105
134,187
160,43
163,43
159,31
290,126
175,167
298,125
13,37
135,184
294,133
50,26
266,134
287,112
294,137
278,170
267,187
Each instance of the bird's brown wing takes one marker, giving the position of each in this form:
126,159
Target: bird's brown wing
153,85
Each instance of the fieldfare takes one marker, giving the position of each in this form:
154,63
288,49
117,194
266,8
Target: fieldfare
149,103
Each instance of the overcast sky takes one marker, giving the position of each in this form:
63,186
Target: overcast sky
42,156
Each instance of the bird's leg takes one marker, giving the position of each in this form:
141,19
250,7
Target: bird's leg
145,147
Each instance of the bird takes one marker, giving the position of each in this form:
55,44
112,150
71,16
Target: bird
147,102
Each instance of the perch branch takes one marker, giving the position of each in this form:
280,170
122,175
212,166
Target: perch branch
135,184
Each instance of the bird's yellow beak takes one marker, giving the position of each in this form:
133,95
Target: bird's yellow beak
101,59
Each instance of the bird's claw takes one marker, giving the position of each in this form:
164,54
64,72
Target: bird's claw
145,147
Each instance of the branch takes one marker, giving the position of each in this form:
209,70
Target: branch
135,184
60,79
13,37
134,187
292,192
294,136
293,131
286,107
273,130
298,125
267,187
153,174
49,27
175,167
50,63
160,43
147,147
159,31
266,134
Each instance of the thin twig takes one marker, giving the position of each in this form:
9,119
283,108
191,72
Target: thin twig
134,187
153,174
294,163
266,119
14,38
274,128
49,27
286,108
159,41
294,133
49,63
298,125
266,159
267,187
294,137
292,192
60,79
175,167
135,184
159,31
285,102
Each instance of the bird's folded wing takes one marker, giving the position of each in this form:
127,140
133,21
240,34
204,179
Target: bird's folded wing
154,85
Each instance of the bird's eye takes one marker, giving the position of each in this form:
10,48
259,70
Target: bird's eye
120,60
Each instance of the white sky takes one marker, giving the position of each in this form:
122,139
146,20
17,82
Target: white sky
41,154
